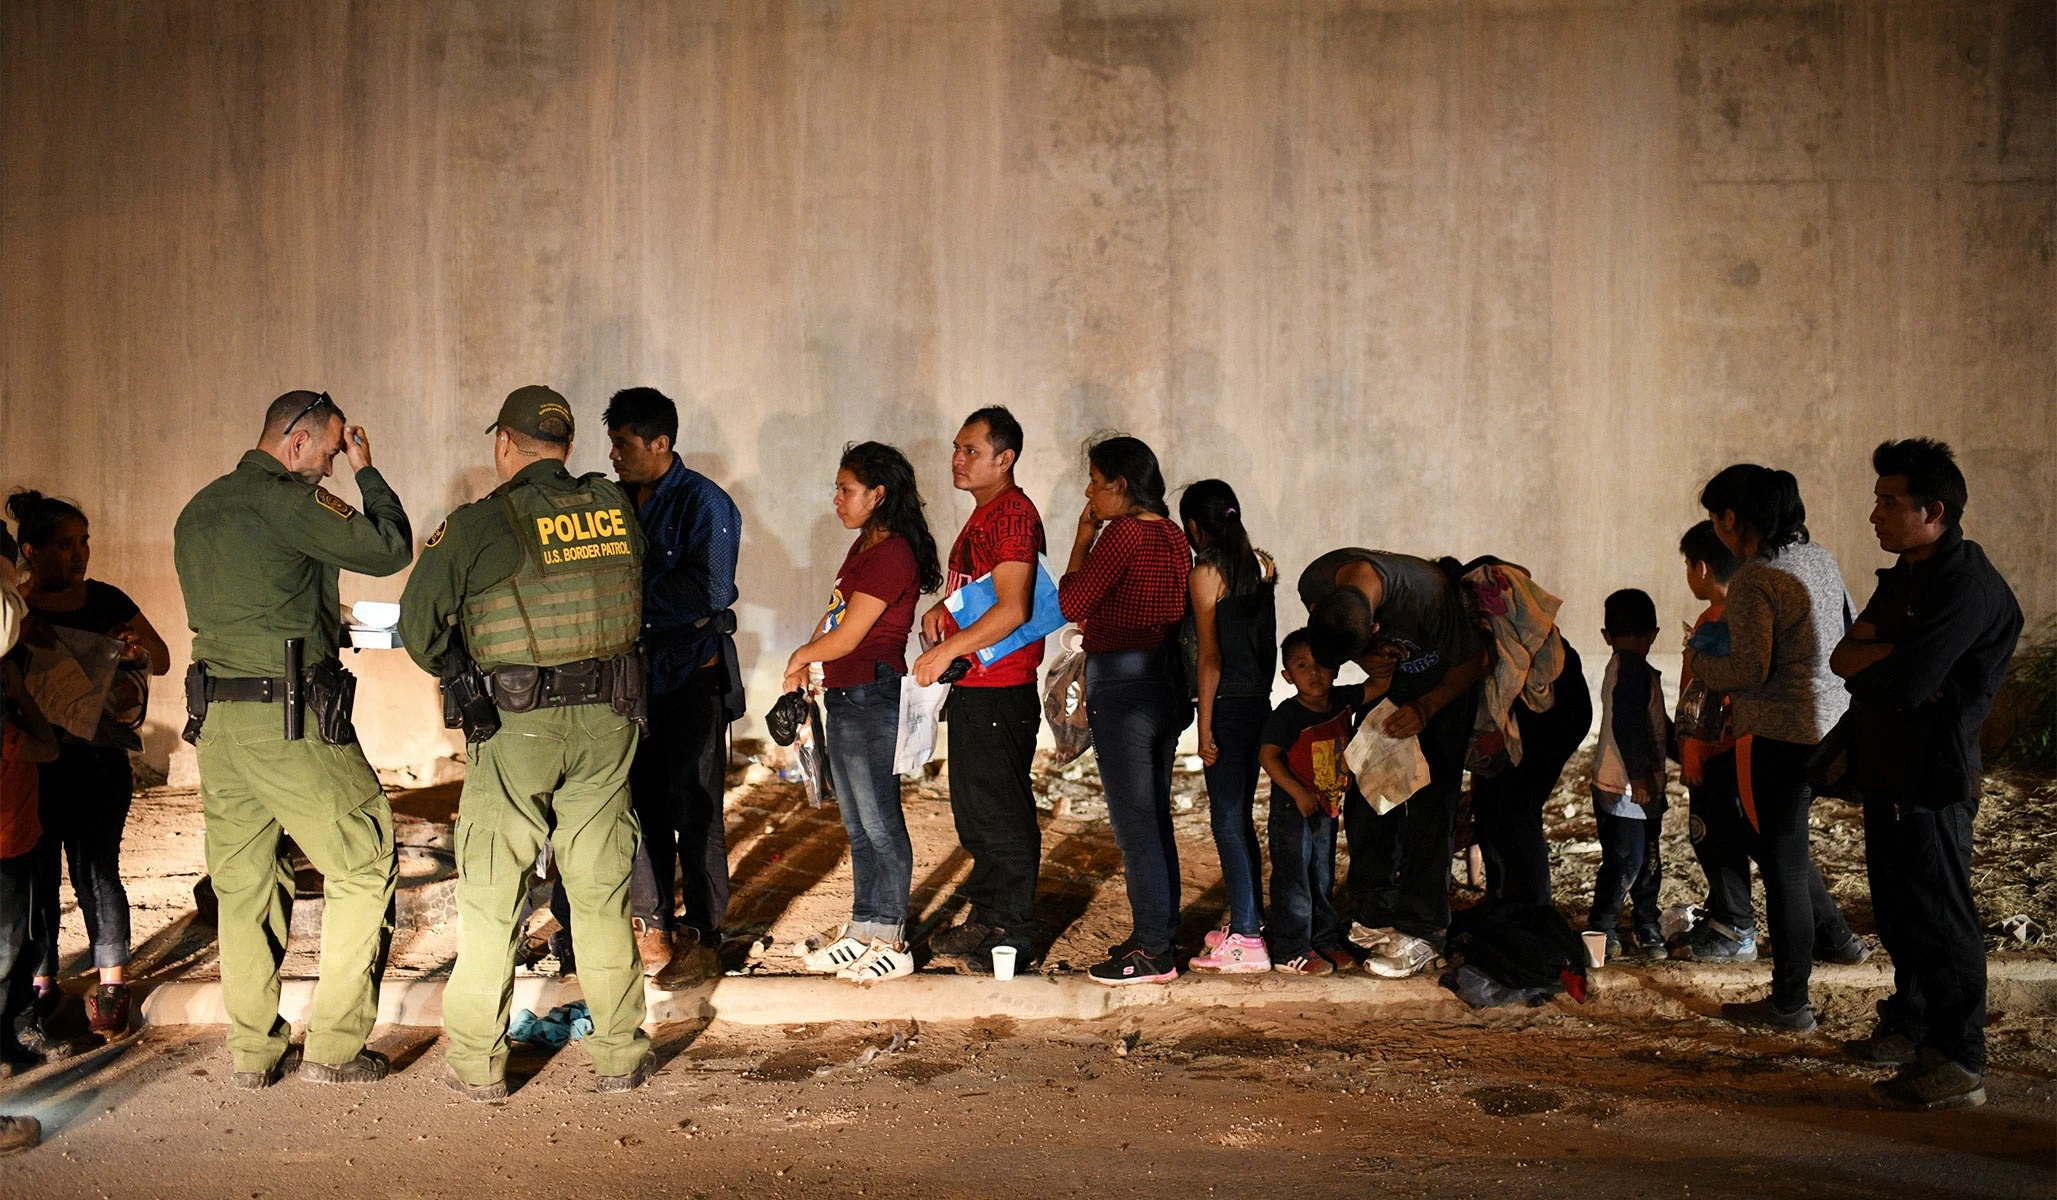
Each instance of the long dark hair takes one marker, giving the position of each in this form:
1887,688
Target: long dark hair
1766,500
1135,464
36,516
899,511
1211,507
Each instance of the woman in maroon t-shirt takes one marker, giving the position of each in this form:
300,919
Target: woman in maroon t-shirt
862,647
1126,587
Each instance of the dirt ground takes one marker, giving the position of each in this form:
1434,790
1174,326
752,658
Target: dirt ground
791,876
1284,1101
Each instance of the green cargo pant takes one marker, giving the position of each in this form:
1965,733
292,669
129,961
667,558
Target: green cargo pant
253,783
558,775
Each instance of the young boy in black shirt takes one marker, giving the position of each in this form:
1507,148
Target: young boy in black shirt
1302,750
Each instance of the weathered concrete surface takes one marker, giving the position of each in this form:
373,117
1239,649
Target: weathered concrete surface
1442,277
2019,987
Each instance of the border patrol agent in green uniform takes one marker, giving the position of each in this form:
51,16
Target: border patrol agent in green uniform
540,585
258,552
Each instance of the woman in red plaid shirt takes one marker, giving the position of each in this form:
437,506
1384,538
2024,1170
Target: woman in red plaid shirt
1126,588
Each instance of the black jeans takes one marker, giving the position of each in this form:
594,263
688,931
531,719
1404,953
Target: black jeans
1136,714
1799,912
1721,843
1371,886
19,955
1629,865
1919,861
1303,873
1508,807
1428,837
676,785
1231,791
85,808
991,734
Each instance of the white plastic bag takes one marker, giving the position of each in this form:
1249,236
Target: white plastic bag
916,742
1064,698
1387,770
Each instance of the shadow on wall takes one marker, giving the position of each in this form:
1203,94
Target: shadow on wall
867,383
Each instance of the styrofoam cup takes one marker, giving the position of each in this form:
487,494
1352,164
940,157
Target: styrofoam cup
1596,947
1003,963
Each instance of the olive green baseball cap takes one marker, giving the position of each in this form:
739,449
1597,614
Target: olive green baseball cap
537,411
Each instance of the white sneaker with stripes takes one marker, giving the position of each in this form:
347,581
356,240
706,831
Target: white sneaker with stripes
881,961
835,956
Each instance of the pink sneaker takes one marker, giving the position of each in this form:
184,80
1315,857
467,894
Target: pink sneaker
1235,954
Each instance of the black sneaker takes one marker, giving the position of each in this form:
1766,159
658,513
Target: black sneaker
1884,1048
1850,953
1710,943
368,1067
1136,966
979,961
1764,1012
1650,942
960,939
1943,1086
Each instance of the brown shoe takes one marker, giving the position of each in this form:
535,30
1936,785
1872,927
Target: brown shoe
653,946
18,1134
691,964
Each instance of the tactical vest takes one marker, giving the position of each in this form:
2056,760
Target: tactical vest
578,593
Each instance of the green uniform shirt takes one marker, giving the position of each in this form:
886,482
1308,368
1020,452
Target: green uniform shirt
468,553
258,552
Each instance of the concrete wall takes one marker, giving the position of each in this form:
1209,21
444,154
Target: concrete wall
1452,278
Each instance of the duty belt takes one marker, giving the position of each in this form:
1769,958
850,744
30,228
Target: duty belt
261,690
588,681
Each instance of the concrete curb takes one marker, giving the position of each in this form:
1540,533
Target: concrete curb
2016,986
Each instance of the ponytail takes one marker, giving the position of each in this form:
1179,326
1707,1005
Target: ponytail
1766,500
1211,507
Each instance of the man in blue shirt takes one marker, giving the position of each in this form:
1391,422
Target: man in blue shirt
689,581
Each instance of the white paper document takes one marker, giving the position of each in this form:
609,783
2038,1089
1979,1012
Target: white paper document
1387,770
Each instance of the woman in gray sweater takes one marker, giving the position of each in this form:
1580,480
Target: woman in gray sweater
1787,609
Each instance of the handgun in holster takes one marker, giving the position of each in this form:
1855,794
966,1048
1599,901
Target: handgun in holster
196,702
467,704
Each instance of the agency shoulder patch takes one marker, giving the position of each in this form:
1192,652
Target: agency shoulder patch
436,537
333,503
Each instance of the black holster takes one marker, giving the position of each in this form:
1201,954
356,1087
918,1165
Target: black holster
628,687
466,702
331,699
196,702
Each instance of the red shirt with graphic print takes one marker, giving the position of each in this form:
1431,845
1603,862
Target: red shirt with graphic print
1005,529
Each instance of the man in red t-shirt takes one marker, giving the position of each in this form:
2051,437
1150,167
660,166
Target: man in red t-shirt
993,711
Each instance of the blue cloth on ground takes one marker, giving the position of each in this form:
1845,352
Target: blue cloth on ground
563,1024
970,602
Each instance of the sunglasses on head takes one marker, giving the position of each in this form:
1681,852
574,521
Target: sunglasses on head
318,402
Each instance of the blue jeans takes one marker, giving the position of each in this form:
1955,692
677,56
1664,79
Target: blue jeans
1231,789
1629,865
1135,714
863,724
1303,874
85,809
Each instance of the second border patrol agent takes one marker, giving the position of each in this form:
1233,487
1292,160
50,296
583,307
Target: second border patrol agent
539,585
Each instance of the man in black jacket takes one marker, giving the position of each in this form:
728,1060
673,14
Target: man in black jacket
1922,664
